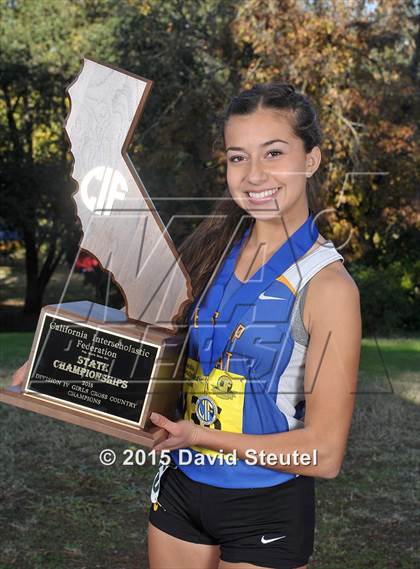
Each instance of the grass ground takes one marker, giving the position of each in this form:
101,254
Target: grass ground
13,279
61,509
64,286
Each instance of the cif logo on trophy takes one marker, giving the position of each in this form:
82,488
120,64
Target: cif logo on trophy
92,365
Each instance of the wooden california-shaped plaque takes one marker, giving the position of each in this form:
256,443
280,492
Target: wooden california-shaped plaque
92,365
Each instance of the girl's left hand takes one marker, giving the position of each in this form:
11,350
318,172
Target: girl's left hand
180,434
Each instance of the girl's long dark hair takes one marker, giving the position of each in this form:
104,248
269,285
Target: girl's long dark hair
203,249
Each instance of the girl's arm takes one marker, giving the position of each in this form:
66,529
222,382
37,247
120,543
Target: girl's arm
332,362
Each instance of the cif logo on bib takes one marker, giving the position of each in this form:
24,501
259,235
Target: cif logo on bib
113,187
206,408
206,411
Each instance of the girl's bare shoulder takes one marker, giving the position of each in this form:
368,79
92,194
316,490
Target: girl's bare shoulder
331,275
333,279
331,291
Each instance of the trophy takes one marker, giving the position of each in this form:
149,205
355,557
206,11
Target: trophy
92,365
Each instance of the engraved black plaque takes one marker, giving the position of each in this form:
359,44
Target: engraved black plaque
92,369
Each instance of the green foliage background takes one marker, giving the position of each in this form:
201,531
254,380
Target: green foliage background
358,61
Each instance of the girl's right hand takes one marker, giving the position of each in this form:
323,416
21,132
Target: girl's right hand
20,374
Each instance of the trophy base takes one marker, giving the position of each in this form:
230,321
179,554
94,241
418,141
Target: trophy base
91,367
15,396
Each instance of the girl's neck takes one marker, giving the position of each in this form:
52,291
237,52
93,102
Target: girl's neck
273,233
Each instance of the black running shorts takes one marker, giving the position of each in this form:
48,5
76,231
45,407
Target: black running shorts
271,527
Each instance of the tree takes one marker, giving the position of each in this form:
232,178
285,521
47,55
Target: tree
357,63
40,52
178,45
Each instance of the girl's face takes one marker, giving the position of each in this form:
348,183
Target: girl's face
267,166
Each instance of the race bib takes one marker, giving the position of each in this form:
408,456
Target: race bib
215,401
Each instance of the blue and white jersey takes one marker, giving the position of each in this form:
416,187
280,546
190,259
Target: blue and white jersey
246,357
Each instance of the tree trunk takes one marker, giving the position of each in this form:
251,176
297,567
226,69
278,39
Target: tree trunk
33,294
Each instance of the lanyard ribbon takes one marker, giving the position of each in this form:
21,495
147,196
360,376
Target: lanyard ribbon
213,335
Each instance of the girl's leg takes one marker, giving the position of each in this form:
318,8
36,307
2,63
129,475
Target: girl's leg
168,552
226,565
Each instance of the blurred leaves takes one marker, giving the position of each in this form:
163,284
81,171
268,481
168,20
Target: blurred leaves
358,61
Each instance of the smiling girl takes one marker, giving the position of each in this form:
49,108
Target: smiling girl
273,355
